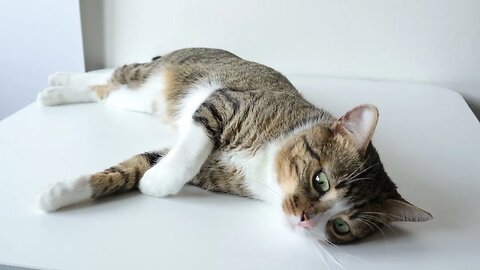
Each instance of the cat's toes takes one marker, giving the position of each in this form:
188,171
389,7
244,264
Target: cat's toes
51,96
160,182
64,193
59,78
49,200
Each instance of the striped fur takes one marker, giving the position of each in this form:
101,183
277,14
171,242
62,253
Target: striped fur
124,176
267,139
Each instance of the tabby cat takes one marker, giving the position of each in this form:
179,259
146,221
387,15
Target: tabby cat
245,130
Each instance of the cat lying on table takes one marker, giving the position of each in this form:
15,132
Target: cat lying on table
245,130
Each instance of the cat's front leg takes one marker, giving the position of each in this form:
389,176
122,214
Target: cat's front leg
180,165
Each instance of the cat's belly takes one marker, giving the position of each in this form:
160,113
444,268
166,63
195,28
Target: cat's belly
151,97
145,98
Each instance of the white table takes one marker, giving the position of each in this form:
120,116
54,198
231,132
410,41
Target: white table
428,138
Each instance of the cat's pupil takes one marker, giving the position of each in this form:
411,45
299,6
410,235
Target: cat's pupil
341,226
320,182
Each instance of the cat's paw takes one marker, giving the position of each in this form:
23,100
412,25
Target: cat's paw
161,181
59,79
51,96
59,95
65,193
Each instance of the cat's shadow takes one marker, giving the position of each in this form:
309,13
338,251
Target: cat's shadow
97,202
191,194
187,194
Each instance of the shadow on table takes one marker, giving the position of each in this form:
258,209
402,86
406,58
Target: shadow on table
448,215
187,194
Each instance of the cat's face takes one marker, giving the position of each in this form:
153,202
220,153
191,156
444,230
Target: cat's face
334,184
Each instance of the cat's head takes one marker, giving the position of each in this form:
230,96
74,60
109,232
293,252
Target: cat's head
334,184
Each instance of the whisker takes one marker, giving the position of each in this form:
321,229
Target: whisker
364,222
364,170
379,229
330,255
358,168
322,256
380,221
350,177
360,179
339,249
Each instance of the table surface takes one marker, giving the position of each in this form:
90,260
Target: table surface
427,136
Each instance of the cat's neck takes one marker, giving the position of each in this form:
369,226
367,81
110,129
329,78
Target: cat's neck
260,168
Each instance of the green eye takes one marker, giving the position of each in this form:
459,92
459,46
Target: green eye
320,182
340,226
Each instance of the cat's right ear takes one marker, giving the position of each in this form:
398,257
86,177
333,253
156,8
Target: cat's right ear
401,210
358,125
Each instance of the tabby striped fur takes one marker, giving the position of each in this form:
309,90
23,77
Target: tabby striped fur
262,140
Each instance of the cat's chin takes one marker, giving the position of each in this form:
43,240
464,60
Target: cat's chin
293,223
303,232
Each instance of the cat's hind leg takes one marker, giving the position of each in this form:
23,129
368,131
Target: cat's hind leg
68,88
134,87
59,95
79,79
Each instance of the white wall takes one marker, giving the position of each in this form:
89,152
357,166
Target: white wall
37,39
434,41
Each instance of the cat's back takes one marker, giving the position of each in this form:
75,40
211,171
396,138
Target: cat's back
233,71
205,56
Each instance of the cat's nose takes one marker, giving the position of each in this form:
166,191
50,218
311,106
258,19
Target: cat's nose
304,216
305,221
308,224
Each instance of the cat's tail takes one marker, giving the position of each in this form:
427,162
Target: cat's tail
120,178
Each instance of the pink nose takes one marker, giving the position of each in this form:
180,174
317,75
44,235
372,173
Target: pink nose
305,221
307,224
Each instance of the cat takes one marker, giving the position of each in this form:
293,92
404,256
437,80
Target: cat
245,130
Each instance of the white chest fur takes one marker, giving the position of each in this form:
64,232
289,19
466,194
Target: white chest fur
259,171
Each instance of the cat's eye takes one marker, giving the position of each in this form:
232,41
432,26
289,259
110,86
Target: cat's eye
320,182
340,226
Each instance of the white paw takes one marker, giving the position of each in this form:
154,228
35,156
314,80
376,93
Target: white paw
59,79
58,95
51,96
50,200
161,181
65,193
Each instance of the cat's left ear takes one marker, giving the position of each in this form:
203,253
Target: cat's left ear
402,210
358,125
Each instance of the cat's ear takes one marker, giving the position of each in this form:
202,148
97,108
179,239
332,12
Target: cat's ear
358,125
402,210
